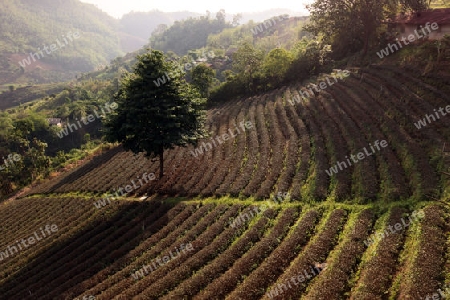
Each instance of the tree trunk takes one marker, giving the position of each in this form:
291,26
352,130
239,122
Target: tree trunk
161,162
366,46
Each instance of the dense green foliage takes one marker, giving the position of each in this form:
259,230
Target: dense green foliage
351,26
267,35
255,71
26,130
21,20
245,57
439,3
189,34
19,140
153,118
202,78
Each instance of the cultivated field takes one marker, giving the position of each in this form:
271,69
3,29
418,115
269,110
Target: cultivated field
290,147
319,252
372,230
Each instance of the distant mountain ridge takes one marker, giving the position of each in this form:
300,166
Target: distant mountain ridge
30,27
142,24
267,14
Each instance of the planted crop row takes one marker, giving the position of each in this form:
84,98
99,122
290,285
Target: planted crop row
65,229
314,253
219,167
156,230
262,167
424,275
121,279
292,150
337,149
247,263
207,253
334,281
199,280
123,267
210,158
412,157
245,173
305,150
215,230
277,154
364,181
45,211
221,151
51,185
267,273
244,152
123,240
318,181
376,275
376,114
75,254
175,184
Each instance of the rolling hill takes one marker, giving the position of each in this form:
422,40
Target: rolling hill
294,145
371,230
30,26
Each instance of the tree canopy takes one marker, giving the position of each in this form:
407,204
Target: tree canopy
153,118
351,25
189,34
202,78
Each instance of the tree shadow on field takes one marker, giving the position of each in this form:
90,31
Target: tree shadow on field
84,169
101,248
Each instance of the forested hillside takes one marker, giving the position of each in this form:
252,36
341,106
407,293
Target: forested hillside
190,34
29,26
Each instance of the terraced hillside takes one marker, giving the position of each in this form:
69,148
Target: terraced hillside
198,250
279,143
371,230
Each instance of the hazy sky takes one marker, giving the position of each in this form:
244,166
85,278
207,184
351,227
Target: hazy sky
118,8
